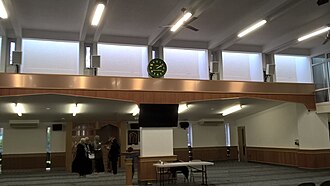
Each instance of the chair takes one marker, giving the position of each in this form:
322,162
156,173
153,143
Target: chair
307,184
194,170
326,183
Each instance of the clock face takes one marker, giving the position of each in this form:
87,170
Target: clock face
157,68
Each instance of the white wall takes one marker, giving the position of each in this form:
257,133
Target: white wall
279,126
50,57
58,141
208,136
123,60
275,127
186,63
312,129
295,69
24,141
180,138
156,141
242,66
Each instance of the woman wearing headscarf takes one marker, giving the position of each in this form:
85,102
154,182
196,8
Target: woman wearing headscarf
80,163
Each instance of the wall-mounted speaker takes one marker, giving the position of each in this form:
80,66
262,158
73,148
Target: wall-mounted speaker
270,69
57,127
17,57
184,124
96,61
214,67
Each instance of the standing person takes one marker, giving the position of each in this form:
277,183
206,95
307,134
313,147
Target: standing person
90,155
80,163
114,155
99,167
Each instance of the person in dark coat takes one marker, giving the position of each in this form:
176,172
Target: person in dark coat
114,154
80,163
99,167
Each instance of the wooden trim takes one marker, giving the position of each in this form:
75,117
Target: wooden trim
58,159
24,161
214,153
313,159
146,170
142,90
307,159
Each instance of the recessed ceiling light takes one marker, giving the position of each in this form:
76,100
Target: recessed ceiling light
47,108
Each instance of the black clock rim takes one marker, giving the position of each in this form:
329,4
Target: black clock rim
153,75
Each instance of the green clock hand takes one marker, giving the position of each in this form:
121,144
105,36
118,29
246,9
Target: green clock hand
159,66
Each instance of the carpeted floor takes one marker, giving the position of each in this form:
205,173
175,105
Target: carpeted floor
222,173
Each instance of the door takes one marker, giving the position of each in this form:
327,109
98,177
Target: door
241,144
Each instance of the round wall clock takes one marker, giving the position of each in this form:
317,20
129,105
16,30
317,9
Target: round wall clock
157,68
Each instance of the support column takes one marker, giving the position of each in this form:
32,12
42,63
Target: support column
68,147
215,65
82,58
159,52
94,52
268,65
4,49
150,53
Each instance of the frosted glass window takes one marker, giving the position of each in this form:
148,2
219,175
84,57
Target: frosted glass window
50,57
242,66
186,64
12,47
123,60
294,69
88,54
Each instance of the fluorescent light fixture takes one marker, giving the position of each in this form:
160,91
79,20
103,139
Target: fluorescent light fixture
98,14
18,108
315,33
135,111
3,12
252,28
183,19
231,110
182,108
75,109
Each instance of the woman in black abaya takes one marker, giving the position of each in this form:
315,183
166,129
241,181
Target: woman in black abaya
81,163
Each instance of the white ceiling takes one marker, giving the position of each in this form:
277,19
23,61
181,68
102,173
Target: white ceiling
143,21
58,108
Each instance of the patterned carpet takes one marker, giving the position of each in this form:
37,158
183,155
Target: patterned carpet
222,173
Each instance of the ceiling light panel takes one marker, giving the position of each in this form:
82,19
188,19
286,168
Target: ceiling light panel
3,12
315,33
181,21
98,14
252,28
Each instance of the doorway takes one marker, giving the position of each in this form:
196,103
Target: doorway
241,144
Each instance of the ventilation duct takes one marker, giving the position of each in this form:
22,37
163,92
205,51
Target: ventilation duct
211,121
24,124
